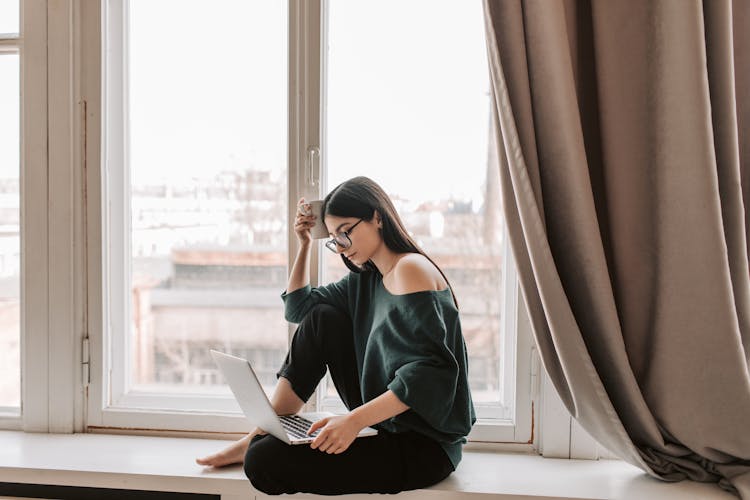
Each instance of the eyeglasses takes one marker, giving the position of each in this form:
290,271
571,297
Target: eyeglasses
341,240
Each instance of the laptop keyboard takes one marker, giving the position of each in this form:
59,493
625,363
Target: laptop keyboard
297,426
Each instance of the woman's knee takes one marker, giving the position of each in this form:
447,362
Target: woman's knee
326,314
325,325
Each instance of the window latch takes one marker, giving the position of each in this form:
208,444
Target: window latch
85,362
313,166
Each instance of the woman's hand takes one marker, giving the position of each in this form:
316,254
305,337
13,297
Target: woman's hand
303,222
336,435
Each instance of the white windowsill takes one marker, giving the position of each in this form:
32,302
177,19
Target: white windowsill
167,464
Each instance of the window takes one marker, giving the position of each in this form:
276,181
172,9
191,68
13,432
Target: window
421,106
206,157
10,19
213,130
10,243
198,229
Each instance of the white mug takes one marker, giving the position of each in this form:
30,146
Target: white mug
319,230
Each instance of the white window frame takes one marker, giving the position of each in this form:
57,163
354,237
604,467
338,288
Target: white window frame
106,230
51,312
511,424
109,405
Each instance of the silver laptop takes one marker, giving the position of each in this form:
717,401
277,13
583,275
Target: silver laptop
292,429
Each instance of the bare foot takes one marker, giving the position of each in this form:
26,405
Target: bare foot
232,454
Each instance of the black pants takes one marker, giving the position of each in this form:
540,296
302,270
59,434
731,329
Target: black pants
386,463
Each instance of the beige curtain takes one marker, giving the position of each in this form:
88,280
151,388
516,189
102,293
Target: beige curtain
623,129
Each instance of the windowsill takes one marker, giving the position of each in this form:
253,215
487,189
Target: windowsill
167,464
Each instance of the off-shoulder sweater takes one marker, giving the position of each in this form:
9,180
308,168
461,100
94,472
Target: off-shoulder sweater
411,344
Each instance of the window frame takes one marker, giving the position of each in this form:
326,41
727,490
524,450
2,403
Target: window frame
51,265
106,232
108,405
496,425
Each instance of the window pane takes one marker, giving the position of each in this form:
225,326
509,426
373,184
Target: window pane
413,113
207,132
10,258
9,19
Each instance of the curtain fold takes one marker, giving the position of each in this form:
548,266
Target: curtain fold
622,130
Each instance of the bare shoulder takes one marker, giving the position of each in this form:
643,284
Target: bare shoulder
415,273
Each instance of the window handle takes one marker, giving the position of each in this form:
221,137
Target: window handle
313,166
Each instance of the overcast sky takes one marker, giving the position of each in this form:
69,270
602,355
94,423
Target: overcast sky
408,100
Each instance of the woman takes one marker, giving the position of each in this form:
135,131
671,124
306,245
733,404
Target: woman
389,332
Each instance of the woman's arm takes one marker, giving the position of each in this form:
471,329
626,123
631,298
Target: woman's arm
383,407
339,432
300,275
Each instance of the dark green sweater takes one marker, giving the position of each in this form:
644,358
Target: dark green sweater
411,344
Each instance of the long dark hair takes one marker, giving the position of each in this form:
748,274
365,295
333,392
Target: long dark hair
359,197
